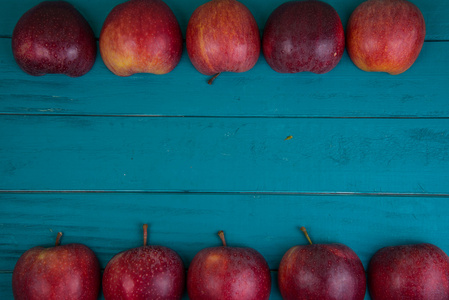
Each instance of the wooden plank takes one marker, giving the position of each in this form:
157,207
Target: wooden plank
224,154
434,12
366,165
5,285
344,92
109,223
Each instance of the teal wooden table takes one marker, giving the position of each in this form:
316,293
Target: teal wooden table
97,156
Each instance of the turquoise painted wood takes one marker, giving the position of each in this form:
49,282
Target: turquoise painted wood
98,156
110,222
225,154
346,91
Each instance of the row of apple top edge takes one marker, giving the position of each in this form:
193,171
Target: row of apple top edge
375,42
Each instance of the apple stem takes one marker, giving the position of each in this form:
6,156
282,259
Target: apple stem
210,81
222,237
303,229
58,239
145,234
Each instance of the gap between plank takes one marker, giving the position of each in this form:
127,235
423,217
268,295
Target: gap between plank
255,193
223,117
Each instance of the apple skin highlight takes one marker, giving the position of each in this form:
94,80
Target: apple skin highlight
222,36
385,35
419,271
141,36
69,272
54,38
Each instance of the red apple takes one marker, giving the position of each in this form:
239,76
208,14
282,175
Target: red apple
141,36
385,35
146,272
69,272
414,272
303,36
321,271
53,37
222,36
228,273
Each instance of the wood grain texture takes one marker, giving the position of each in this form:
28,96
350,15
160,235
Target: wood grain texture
346,91
224,154
188,223
97,156
110,223
5,285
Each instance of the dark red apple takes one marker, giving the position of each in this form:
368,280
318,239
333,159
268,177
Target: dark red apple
146,272
141,36
303,36
385,35
69,272
222,36
321,271
414,272
228,273
54,38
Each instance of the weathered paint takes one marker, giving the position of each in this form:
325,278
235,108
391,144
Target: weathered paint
98,156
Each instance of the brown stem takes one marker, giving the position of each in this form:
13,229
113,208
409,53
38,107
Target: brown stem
58,239
222,237
210,81
303,229
145,234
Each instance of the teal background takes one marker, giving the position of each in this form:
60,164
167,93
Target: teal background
97,156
